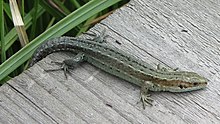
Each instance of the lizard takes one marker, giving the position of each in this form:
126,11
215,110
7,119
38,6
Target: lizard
121,64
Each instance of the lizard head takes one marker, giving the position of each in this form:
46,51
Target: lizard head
182,82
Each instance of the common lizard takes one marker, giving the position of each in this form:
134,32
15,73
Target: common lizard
120,64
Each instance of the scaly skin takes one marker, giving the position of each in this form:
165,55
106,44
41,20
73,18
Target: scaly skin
121,64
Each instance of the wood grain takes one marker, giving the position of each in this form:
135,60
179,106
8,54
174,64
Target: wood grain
183,34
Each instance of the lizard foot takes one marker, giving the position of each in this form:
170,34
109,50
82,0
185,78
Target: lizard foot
144,94
100,38
159,67
63,67
146,100
68,63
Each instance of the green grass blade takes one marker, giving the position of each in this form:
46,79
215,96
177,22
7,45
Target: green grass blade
7,9
58,29
86,25
51,10
11,36
34,22
22,8
75,3
3,53
61,7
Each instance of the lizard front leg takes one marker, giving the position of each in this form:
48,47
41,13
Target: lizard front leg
69,63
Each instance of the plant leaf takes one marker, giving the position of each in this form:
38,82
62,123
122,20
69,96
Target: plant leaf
58,29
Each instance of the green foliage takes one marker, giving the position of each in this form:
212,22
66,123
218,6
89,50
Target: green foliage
44,20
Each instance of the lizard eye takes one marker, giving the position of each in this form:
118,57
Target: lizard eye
181,86
195,84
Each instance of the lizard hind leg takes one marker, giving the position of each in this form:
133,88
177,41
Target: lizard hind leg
159,67
68,64
101,37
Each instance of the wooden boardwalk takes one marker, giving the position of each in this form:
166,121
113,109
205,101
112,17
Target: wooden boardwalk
182,34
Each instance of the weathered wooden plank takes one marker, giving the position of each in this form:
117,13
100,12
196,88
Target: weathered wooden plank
107,97
43,99
78,99
19,104
173,34
183,34
7,118
15,110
